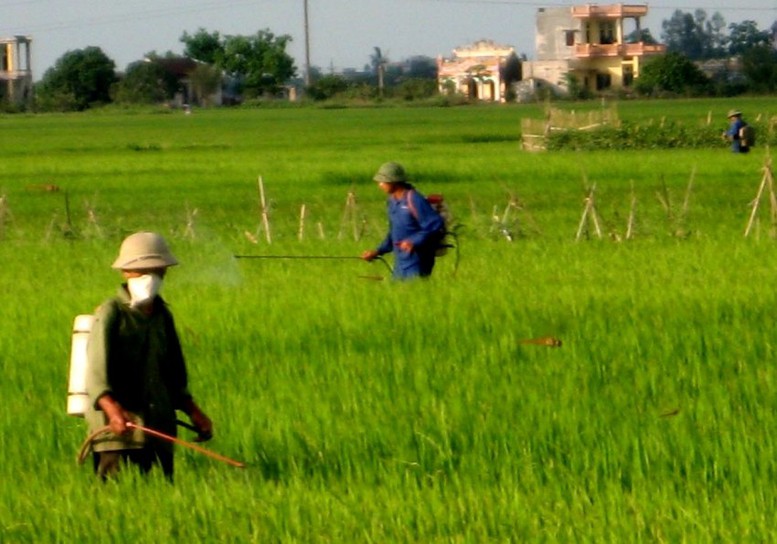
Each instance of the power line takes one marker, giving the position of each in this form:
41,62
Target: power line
124,17
652,6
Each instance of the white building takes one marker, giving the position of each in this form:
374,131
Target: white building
15,70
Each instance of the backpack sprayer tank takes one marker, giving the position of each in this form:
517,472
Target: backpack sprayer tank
77,399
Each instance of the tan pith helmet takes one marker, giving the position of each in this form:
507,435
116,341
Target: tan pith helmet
733,113
144,250
390,172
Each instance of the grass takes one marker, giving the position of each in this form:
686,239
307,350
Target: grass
381,412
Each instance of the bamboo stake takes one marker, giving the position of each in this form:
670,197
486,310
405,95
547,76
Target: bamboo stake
190,215
589,210
632,208
301,233
688,193
92,219
772,197
582,220
265,217
349,215
757,201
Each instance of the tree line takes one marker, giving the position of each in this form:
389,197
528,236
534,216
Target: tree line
245,68
706,57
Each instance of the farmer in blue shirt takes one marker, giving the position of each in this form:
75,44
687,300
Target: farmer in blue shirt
733,134
415,228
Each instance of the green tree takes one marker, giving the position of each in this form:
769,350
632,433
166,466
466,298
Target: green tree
717,40
79,80
693,35
421,67
641,36
745,35
416,89
259,62
145,82
672,73
328,86
203,46
759,64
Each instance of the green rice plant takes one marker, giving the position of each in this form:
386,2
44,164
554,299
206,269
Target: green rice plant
380,411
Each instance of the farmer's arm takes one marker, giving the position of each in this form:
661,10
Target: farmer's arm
97,356
97,386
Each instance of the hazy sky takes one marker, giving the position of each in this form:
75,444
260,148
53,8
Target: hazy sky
343,33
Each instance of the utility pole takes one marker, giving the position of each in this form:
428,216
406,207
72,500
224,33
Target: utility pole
307,47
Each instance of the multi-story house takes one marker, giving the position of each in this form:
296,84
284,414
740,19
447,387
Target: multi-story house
587,45
15,70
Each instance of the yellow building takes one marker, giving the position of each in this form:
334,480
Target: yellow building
589,43
475,71
15,71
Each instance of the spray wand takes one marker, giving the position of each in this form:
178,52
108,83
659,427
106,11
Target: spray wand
313,257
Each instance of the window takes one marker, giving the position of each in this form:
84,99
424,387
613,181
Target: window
569,36
603,81
607,33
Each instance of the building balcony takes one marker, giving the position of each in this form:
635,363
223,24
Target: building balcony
612,11
593,50
15,74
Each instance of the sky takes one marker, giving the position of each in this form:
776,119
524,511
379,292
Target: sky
342,33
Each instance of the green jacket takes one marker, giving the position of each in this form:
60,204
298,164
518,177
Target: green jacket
137,359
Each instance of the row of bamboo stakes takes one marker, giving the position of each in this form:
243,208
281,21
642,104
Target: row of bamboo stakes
589,221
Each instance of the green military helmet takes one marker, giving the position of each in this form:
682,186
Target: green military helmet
391,172
144,250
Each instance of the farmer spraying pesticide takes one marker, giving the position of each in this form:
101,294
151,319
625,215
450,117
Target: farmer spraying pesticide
739,133
135,373
416,229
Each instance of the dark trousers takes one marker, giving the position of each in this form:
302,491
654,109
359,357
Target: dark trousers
108,464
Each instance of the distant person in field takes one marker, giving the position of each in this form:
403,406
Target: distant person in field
136,369
734,133
415,228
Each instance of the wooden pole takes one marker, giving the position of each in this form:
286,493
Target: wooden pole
772,197
190,215
630,224
755,204
583,220
688,193
589,210
301,233
265,217
349,215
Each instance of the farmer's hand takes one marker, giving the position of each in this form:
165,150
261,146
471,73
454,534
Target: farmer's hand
117,416
406,246
370,255
203,423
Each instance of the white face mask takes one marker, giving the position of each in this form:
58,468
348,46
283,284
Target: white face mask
143,288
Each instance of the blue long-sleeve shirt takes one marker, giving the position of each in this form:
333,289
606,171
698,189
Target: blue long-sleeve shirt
733,134
412,218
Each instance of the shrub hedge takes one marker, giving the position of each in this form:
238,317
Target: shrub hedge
666,135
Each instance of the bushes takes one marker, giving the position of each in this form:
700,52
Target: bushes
667,135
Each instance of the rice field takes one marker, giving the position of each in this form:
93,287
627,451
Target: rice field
374,411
